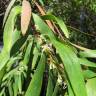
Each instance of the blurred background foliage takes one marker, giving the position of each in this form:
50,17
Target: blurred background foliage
79,16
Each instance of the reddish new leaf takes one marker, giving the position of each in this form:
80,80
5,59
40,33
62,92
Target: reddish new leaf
25,16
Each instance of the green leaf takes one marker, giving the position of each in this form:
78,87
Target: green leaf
59,22
91,87
10,88
12,61
4,61
20,83
88,53
70,90
67,55
2,92
89,74
18,44
28,53
72,66
56,89
50,86
36,82
15,86
41,1
35,57
8,10
16,35
8,38
9,28
10,73
86,62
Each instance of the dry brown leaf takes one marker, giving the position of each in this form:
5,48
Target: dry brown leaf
25,16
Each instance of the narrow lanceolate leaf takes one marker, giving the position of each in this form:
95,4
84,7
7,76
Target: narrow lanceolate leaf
10,89
88,53
36,82
9,28
72,66
8,10
91,87
56,90
86,62
68,57
35,57
15,85
88,74
27,53
25,16
50,86
59,22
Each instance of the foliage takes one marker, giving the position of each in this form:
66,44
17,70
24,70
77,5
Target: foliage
79,16
38,58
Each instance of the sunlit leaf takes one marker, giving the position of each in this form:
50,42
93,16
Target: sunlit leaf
59,22
91,87
9,28
88,53
70,90
8,10
35,85
86,62
68,57
89,74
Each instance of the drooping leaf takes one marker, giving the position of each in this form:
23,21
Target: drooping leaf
56,89
68,57
86,62
88,53
36,82
15,85
9,28
25,16
10,88
4,61
8,10
9,74
35,57
72,66
8,38
59,22
50,86
12,61
88,74
20,83
28,53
